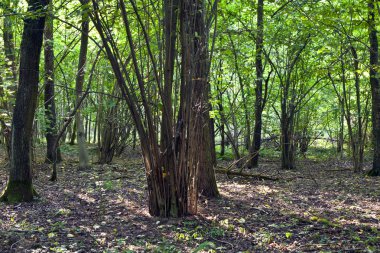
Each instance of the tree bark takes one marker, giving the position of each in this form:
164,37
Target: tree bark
172,191
81,137
206,175
375,88
19,187
358,156
49,94
287,144
255,148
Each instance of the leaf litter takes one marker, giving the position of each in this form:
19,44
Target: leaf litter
104,209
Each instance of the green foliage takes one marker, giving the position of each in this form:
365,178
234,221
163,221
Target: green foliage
205,246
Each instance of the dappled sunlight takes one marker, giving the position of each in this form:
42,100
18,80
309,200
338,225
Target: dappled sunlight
108,211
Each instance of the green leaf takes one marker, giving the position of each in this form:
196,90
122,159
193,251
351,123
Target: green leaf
288,235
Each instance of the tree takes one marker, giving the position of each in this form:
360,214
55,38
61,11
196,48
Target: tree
19,186
81,137
206,177
172,166
256,144
375,88
49,95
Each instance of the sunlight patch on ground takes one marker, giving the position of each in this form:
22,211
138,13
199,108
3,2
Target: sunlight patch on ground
86,198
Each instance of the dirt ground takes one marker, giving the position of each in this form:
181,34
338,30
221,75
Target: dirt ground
320,207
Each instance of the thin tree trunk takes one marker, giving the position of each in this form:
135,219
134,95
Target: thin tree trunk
340,141
134,138
49,99
81,137
358,139
171,12
20,187
255,148
73,134
221,129
95,128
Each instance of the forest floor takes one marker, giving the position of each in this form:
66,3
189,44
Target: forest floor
320,207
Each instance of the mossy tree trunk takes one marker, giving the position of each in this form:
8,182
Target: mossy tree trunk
19,187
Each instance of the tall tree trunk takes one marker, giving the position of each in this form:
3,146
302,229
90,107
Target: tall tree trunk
81,137
375,88
255,148
172,191
19,187
171,12
50,112
206,175
358,138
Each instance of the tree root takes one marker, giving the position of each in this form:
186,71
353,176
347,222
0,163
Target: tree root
16,192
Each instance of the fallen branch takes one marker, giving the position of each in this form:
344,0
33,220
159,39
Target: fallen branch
342,169
244,174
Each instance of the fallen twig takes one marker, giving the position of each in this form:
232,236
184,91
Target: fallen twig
244,174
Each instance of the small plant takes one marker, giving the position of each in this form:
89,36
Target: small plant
288,235
216,232
108,185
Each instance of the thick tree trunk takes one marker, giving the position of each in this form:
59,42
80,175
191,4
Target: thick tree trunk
19,187
50,112
196,108
207,183
255,148
172,191
375,89
206,176
81,137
